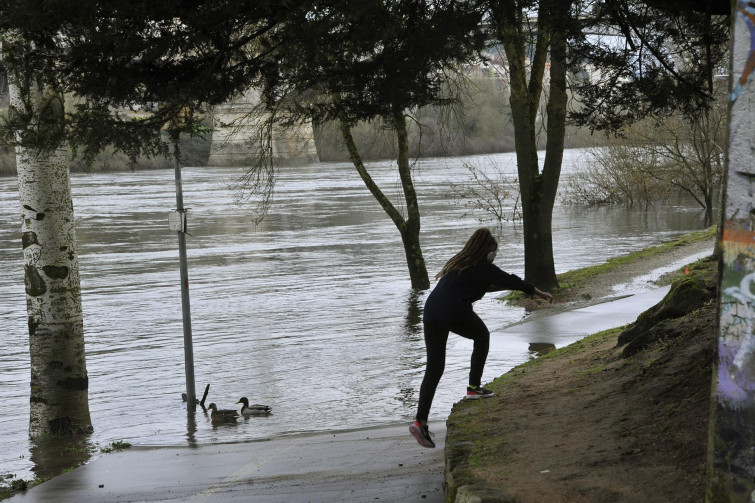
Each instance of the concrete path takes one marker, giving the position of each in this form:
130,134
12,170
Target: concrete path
375,464
564,328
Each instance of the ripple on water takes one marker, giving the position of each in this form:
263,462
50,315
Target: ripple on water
310,312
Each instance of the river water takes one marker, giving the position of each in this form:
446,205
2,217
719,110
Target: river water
310,312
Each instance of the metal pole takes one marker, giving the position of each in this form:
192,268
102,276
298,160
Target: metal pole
191,395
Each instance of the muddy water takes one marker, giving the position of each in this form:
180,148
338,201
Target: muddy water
310,312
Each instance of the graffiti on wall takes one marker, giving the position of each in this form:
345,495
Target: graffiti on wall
746,10
731,464
736,348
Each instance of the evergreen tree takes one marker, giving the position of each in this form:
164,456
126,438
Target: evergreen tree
664,60
163,60
374,60
534,36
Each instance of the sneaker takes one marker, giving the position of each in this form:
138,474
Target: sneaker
475,392
422,434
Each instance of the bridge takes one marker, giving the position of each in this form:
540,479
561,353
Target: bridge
236,137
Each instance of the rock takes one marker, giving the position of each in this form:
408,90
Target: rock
541,348
686,294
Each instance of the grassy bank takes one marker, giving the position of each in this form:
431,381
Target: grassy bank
589,283
621,415
578,278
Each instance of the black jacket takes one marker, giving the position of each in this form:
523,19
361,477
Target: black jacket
452,297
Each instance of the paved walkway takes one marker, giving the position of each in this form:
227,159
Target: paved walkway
564,328
375,464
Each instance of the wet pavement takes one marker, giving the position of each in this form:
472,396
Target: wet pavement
375,464
565,328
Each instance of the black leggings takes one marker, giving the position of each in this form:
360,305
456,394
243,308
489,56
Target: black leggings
436,336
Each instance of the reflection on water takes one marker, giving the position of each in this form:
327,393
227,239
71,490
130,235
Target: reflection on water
311,312
52,456
413,325
191,427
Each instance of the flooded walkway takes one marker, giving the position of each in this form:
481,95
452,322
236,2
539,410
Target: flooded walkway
381,463
310,312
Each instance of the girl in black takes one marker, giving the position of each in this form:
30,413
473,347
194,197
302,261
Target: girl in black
463,280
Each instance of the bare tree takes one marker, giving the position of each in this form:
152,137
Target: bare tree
489,194
656,158
691,153
619,173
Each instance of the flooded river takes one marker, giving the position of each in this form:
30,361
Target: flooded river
310,312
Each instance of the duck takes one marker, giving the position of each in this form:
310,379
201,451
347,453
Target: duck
254,409
222,415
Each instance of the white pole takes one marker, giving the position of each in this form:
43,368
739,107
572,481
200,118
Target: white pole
191,395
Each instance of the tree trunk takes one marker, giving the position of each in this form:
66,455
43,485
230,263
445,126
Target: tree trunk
707,163
708,218
408,228
545,273
538,188
59,382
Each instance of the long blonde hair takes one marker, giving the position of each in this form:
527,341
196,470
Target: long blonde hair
476,248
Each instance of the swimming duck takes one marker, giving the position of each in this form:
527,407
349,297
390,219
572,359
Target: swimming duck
254,409
222,415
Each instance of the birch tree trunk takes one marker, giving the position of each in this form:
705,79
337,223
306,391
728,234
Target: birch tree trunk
59,382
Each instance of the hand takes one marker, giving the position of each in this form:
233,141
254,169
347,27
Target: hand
544,295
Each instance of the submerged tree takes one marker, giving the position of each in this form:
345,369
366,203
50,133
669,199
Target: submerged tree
662,77
336,69
657,158
617,173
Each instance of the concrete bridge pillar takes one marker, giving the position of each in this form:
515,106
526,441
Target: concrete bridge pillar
237,138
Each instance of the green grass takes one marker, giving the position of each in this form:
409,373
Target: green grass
572,349
593,370
75,449
579,277
117,445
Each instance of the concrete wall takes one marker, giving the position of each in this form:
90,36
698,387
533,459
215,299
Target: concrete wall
237,139
732,427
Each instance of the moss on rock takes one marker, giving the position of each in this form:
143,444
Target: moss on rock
687,294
